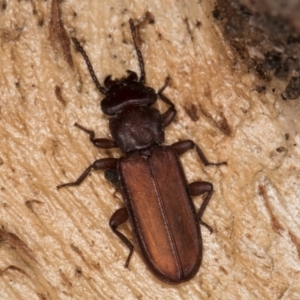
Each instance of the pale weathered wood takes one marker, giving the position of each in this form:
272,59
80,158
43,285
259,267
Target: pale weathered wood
65,248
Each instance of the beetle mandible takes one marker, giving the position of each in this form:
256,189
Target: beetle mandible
150,176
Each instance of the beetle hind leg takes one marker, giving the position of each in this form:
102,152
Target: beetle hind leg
119,217
198,188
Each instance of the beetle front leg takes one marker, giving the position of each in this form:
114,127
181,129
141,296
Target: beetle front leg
169,115
198,188
119,217
100,143
186,145
100,164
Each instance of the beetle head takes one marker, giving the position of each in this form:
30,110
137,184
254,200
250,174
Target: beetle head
126,92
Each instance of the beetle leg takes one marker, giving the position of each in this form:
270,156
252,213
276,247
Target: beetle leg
119,217
169,115
162,96
100,143
198,188
186,145
100,164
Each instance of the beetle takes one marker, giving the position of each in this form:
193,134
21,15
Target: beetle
157,196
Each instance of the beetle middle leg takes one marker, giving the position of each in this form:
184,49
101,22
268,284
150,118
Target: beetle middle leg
186,145
119,217
198,188
100,164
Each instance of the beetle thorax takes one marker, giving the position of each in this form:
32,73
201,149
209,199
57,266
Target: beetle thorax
136,128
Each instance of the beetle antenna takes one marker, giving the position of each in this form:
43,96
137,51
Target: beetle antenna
138,52
102,89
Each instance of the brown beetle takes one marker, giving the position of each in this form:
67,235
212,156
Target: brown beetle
157,196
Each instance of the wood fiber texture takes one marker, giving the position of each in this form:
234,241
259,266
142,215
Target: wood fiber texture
58,244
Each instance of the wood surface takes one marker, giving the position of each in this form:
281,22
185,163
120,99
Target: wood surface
58,244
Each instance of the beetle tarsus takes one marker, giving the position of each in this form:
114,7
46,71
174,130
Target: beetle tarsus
207,226
204,159
183,146
162,96
198,188
100,164
79,180
161,90
169,115
99,143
